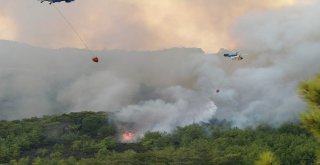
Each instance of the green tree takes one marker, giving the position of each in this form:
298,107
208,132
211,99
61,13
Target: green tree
91,124
185,135
86,146
108,142
310,91
37,161
156,140
22,161
267,158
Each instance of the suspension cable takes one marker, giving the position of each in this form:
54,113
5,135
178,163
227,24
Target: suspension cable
72,27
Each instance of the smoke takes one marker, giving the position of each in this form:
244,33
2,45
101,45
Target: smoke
159,90
152,90
284,50
129,25
6,30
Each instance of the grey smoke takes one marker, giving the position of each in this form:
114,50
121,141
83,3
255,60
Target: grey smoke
154,90
128,24
159,90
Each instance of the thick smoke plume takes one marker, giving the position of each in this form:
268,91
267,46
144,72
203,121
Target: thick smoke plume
128,24
152,90
159,90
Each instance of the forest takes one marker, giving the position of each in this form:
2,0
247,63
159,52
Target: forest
86,138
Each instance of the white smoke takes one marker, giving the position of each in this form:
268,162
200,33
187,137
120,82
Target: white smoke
153,90
285,45
159,90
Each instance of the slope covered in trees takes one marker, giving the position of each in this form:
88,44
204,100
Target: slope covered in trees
88,138
310,91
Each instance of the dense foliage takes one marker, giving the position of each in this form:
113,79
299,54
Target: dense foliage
86,138
310,91
89,138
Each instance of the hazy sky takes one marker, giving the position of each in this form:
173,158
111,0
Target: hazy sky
159,90
130,24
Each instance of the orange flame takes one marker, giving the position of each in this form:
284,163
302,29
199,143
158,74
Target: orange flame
127,137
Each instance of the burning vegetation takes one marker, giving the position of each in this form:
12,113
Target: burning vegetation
127,137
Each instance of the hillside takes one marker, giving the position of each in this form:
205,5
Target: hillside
90,138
